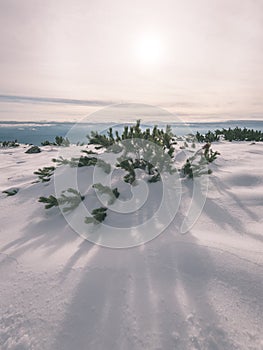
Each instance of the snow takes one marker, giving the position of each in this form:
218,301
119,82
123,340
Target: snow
198,290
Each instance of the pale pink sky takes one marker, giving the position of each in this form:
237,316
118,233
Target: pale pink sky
84,55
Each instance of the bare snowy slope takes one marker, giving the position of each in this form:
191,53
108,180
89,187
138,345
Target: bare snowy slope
198,290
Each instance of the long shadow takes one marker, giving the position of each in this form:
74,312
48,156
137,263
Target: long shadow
223,218
149,297
95,317
50,233
154,297
224,189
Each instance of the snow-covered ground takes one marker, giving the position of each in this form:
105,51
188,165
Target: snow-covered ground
200,290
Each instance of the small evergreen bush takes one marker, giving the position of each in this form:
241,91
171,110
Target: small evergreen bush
70,201
45,174
9,144
11,191
196,165
113,194
209,154
83,161
59,141
33,149
153,158
50,201
236,134
98,215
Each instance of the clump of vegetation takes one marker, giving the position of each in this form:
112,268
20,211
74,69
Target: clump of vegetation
152,151
112,193
59,141
98,215
50,201
47,143
88,151
11,191
62,141
69,201
33,149
236,134
196,165
101,140
45,174
9,144
164,139
83,161
209,154
187,169
207,137
128,165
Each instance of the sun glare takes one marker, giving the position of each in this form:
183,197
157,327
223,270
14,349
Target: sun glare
149,50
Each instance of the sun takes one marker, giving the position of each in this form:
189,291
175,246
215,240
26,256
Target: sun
149,50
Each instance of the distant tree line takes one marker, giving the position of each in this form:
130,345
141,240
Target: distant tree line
236,134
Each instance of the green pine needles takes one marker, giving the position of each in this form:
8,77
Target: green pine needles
111,193
69,201
236,134
59,141
82,162
50,201
98,215
158,136
196,165
209,154
139,153
11,191
9,144
45,174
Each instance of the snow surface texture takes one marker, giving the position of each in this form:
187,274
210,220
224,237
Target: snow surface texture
200,290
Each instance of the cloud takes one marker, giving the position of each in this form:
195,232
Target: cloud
53,100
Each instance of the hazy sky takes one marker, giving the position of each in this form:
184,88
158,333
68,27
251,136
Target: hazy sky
62,59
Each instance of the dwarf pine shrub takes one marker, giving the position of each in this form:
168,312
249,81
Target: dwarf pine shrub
209,154
59,141
164,139
98,215
113,194
236,134
69,201
11,191
33,149
45,174
9,144
127,165
154,157
83,161
50,201
196,165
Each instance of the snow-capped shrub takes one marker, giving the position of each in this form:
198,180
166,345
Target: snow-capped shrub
9,144
197,165
11,191
33,149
